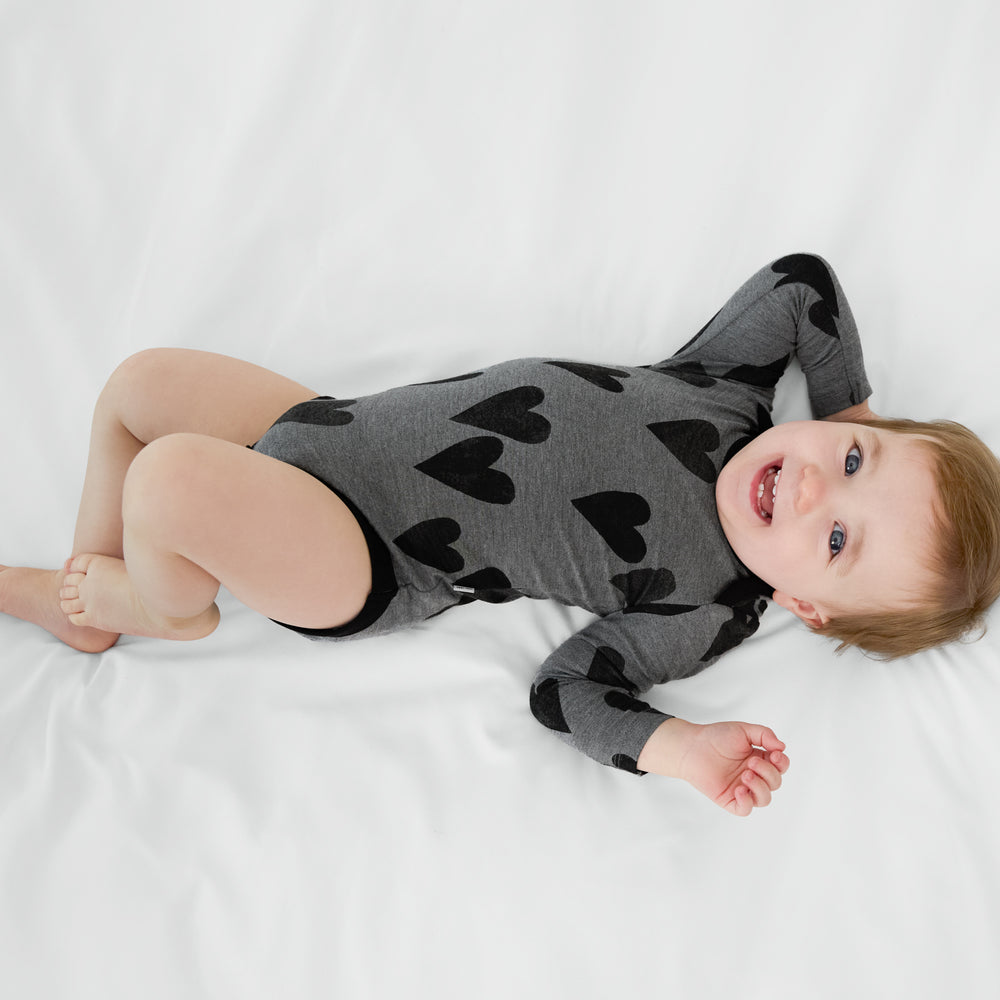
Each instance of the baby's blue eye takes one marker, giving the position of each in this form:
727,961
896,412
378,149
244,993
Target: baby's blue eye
853,461
837,539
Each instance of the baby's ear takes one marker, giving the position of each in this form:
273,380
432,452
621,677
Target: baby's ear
809,613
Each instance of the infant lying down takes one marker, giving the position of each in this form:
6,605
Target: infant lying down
659,497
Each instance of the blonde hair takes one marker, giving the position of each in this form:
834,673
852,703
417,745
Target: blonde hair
964,561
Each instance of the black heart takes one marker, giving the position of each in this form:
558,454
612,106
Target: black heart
761,376
811,271
608,667
599,375
689,441
546,707
466,467
430,541
625,702
508,413
614,515
644,584
324,410
744,623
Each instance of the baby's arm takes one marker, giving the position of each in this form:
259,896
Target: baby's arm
586,693
794,306
735,764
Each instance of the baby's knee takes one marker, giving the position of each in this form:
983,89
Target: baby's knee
159,487
135,378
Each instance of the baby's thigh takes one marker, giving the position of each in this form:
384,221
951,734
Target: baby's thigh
276,537
174,390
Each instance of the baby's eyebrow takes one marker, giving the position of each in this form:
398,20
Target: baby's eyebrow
872,449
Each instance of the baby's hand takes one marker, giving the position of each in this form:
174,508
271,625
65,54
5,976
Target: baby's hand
737,765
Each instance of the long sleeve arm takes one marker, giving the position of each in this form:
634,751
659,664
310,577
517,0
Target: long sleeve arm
586,691
794,306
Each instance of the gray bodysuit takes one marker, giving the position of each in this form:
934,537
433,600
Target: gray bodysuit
592,484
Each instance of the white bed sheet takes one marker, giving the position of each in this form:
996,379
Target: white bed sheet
363,194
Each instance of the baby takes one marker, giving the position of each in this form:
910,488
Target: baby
659,497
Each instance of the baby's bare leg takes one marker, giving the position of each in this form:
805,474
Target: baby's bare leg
199,511
152,394
169,391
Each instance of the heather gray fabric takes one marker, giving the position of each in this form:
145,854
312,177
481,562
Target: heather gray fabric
592,484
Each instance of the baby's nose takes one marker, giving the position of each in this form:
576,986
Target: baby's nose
810,490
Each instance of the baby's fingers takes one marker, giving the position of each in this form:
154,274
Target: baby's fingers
742,802
767,770
762,736
760,790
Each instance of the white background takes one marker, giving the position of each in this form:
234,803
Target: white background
363,194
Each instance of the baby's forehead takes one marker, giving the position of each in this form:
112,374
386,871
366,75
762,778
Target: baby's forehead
906,531
912,455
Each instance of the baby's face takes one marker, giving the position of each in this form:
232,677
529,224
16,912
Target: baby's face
846,523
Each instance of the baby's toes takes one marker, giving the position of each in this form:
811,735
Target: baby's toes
71,605
80,564
69,595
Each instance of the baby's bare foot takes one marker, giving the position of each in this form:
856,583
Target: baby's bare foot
33,596
98,593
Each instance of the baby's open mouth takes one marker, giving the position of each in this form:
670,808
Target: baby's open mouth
767,492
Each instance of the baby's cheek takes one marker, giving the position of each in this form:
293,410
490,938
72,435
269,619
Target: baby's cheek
783,563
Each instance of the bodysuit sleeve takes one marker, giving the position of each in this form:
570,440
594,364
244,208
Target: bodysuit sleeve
794,306
586,691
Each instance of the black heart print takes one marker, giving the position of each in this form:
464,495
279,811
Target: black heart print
430,541
466,467
546,707
689,441
508,413
599,375
743,623
813,272
323,410
644,588
615,515
608,667
640,585
626,703
762,376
